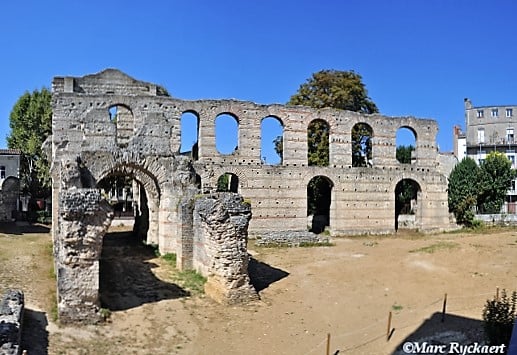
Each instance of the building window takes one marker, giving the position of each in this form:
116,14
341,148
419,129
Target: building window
495,112
512,159
509,135
509,112
2,172
480,114
481,135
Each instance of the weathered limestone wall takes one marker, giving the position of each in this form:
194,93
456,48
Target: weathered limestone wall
110,123
83,220
363,199
11,322
220,247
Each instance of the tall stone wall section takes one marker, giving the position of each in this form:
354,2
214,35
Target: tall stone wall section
109,123
83,219
12,306
220,247
363,199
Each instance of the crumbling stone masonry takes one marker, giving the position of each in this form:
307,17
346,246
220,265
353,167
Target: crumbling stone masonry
220,247
83,220
111,124
11,322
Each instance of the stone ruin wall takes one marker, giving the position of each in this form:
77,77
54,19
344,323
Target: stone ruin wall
220,247
363,199
144,143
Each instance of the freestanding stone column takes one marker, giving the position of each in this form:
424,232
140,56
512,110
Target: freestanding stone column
220,247
83,220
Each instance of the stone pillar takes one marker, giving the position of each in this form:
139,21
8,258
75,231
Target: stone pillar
84,218
11,321
221,237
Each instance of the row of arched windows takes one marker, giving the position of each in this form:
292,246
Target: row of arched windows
272,130
272,133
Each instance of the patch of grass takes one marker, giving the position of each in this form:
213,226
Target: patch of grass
170,258
190,280
53,307
430,249
316,244
105,313
397,307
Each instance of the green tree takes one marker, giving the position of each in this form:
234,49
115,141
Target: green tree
279,147
342,90
361,145
337,89
404,153
318,143
31,123
463,190
496,175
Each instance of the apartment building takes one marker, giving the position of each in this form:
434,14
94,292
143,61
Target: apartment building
489,128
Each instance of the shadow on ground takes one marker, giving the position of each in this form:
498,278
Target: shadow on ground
19,228
126,277
34,332
454,328
262,275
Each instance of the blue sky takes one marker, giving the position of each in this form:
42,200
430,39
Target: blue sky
416,57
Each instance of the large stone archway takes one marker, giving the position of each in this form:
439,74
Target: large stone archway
111,122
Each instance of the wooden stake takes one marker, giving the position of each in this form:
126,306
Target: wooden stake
388,330
497,293
328,343
444,307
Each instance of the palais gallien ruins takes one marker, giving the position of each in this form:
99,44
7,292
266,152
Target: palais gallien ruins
110,124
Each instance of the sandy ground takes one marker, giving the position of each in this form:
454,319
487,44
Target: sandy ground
346,290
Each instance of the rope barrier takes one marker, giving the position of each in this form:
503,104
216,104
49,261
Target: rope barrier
403,320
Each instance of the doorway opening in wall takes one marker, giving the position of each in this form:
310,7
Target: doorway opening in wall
319,199
126,279
407,204
406,145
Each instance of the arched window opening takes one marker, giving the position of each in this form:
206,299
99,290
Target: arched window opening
318,143
228,182
361,138
407,204
406,143
189,134
271,141
226,133
319,198
122,117
198,182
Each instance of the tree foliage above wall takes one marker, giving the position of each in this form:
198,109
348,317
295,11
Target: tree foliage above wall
337,89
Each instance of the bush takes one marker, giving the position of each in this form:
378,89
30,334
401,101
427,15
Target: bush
499,316
43,217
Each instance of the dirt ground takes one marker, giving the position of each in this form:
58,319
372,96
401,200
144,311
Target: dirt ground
346,290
